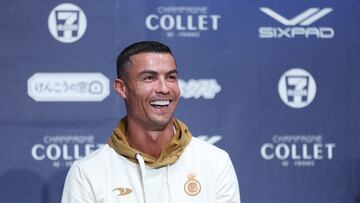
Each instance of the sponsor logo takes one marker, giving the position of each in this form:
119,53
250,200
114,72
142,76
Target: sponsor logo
210,139
192,186
68,87
62,150
297,88
182,21
206,88
122,191
298,26
67,23
297,150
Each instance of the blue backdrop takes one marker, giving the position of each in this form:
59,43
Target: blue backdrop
274,83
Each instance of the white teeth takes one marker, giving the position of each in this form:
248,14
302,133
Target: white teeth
160,102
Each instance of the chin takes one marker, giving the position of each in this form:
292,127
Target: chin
161,123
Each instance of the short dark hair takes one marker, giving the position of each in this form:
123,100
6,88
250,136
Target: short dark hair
137,48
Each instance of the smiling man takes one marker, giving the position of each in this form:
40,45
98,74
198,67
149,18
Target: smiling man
151,156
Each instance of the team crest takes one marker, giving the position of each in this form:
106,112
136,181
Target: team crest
192,186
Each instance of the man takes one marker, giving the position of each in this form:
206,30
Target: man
151,156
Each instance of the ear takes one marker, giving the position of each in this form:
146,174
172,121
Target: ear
120,87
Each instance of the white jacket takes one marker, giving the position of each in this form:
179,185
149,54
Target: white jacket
203,174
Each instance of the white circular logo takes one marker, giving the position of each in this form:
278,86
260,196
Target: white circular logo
67,23
297,88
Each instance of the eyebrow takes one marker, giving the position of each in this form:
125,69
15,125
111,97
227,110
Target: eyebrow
173,71
151,72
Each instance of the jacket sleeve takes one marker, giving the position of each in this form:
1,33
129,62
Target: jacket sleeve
77,188
227,187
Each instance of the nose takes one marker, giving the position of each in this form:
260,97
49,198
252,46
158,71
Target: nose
162,86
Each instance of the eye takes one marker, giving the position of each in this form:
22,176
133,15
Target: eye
172,77
149,77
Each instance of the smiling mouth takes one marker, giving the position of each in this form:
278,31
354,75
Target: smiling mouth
160,103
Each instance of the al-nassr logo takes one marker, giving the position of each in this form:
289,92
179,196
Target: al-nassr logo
192,186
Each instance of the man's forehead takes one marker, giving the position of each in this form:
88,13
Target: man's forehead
149,55
151,60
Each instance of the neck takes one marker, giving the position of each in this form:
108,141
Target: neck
151,142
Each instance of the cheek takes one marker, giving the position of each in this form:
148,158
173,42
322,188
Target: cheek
134,96
176,89
143,92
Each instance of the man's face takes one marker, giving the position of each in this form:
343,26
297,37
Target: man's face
151,90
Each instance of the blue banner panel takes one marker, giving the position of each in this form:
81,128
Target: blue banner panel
274,83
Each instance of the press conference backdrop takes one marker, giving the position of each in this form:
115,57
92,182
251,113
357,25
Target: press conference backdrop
274,83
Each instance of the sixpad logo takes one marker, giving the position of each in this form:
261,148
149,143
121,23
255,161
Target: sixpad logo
297,88
182,21
67,23
298,26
